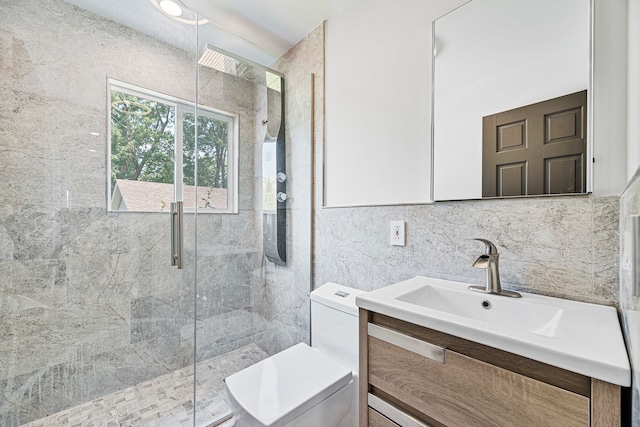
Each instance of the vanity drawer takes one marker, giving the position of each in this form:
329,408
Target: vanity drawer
388,414
457,390
378,420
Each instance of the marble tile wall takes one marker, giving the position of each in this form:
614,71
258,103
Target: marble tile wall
281,295
559,246
88,302
99,313
630,298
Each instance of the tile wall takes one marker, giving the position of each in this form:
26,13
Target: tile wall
558,246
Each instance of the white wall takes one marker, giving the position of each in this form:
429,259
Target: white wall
633,101
378,102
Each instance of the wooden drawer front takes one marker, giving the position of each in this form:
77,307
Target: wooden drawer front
395,414
467,392
378,420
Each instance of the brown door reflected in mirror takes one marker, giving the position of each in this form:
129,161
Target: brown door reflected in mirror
536,149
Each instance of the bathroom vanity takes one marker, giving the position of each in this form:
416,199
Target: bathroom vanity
433,353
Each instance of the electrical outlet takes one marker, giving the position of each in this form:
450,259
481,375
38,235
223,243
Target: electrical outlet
397,233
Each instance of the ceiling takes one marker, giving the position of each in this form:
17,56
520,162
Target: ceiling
259,30
274,25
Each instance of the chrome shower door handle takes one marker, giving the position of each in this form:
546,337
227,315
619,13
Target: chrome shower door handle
176,234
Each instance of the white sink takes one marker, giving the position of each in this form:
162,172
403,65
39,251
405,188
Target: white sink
580,337
489,313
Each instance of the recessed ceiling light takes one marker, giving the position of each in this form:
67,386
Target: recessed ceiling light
177,11
171,8
94,133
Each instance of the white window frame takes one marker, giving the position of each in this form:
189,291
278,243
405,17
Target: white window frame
181,107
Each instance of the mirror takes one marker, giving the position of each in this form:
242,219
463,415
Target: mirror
493,57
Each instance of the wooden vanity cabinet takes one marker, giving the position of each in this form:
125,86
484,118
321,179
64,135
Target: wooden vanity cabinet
376,419
413,376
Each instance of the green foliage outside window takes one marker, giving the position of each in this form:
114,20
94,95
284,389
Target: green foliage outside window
143,143
212,151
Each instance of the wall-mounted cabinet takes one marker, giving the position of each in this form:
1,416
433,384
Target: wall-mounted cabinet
378,87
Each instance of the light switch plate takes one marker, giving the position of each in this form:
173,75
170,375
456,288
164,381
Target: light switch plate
397,233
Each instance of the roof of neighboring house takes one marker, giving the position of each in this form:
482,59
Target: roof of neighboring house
156,196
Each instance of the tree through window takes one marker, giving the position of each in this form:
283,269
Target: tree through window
148,132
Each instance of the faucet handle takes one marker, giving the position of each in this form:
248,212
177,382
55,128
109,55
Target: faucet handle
490,248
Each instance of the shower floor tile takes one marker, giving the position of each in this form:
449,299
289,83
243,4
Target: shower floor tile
165,401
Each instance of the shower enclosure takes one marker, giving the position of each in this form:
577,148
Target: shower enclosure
111,111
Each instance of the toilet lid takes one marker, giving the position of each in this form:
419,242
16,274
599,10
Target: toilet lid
285,385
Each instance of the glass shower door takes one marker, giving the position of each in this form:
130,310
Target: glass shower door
102,101
94,321
250,304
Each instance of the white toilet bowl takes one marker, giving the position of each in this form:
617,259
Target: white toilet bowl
306,386
296,387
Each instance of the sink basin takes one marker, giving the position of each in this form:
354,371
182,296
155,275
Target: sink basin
491,313
580,337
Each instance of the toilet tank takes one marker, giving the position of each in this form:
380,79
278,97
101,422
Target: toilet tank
334,323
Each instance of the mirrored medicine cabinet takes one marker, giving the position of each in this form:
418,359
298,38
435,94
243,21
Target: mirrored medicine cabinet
511,99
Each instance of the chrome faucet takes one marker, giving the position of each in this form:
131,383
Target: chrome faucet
489,261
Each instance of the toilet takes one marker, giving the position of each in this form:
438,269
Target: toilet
306,386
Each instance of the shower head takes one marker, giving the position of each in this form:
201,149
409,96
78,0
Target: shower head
218,61
226,62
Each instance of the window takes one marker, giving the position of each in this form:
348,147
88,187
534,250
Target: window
152,153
